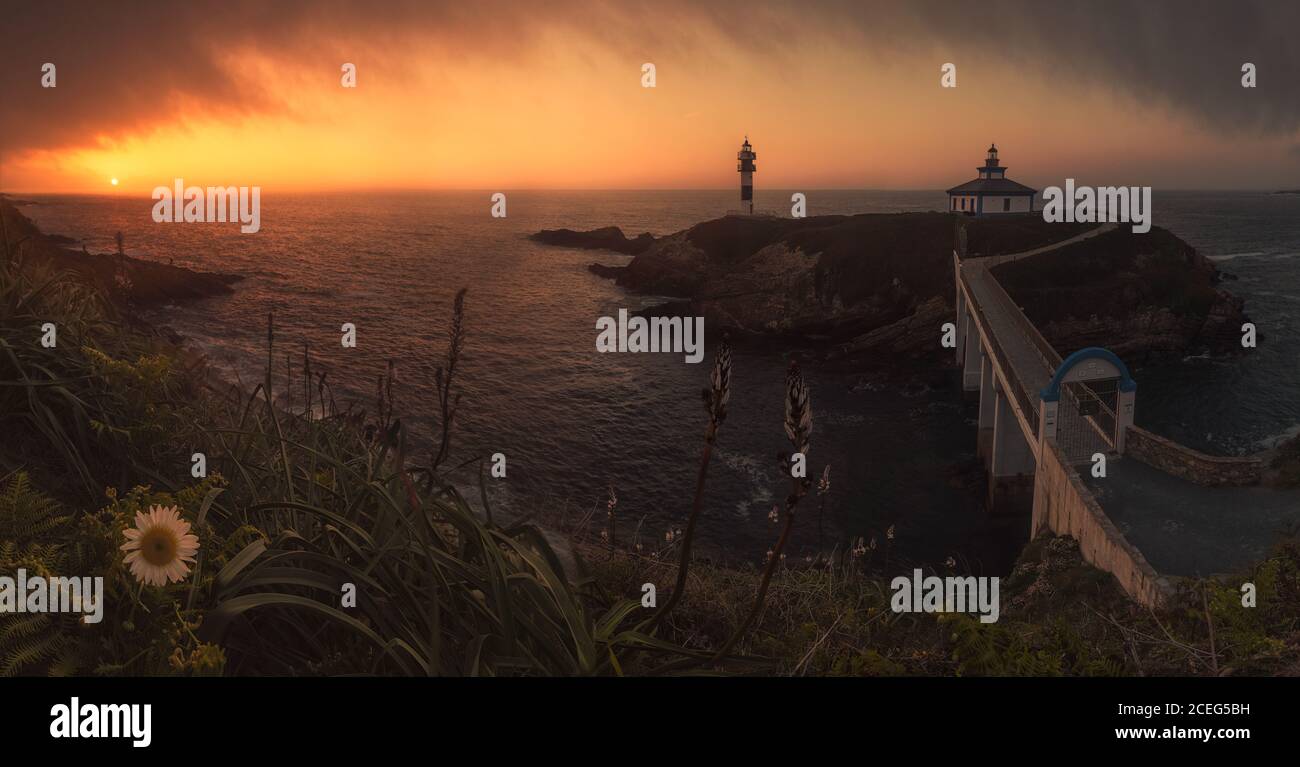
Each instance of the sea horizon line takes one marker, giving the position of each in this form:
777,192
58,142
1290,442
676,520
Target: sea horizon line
525,189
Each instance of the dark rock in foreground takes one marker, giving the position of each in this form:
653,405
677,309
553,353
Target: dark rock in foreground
607,238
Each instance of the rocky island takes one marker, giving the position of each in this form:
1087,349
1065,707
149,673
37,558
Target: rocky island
873,285
606,238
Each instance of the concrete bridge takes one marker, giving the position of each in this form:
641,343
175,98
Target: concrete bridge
1041,416
1021,381
1045,422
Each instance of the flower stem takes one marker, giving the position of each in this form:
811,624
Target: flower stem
696,507
762,586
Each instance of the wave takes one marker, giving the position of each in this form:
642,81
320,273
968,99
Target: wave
1231,256
1274,440
757,474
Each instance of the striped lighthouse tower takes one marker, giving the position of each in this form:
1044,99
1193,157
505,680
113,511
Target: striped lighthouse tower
746,167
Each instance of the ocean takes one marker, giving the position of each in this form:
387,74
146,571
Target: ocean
1233,406
573,423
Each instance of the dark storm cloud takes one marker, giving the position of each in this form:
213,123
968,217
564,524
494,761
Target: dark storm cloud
1186,55
123,69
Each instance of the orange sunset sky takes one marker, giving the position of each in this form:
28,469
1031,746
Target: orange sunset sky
535,95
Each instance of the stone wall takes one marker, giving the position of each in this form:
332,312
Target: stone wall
1064,505
1180,461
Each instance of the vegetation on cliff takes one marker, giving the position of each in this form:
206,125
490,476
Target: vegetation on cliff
1060,617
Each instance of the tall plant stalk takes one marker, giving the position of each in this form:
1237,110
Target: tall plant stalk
445,375
270,406
715,397
798,429
823,487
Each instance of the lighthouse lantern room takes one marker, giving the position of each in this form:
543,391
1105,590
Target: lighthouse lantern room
745,165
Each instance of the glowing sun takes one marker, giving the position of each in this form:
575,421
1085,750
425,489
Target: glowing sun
113,181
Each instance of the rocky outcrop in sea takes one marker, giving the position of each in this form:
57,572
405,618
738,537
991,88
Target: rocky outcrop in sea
139,282
879,286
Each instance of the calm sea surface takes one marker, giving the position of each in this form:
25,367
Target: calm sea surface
572,422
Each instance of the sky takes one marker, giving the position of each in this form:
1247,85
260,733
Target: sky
509,95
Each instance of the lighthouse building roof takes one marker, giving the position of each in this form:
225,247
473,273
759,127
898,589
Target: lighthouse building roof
991,186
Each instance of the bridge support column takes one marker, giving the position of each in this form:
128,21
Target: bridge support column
970,368
961,324
1047,420
988,404
1123,417
1011,468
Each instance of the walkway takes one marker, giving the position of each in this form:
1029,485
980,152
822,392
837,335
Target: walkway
1188,529
992,261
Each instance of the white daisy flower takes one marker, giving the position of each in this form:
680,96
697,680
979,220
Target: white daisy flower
159,546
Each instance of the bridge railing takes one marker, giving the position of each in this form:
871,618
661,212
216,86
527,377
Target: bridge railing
1051,360
1105,423
1027,404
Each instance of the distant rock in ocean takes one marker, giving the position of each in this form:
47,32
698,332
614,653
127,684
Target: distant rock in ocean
607,238
17,202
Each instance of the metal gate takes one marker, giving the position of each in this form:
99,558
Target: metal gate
1086,419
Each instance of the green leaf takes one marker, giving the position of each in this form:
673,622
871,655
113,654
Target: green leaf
241,560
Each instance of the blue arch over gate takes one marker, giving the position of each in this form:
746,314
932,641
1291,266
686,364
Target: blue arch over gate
1053,391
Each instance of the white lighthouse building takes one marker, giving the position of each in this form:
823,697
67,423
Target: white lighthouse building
992,193
745,164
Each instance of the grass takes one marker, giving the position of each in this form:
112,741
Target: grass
1059,617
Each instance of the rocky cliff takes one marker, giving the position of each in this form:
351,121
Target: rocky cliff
1136,294
879,286
139,282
